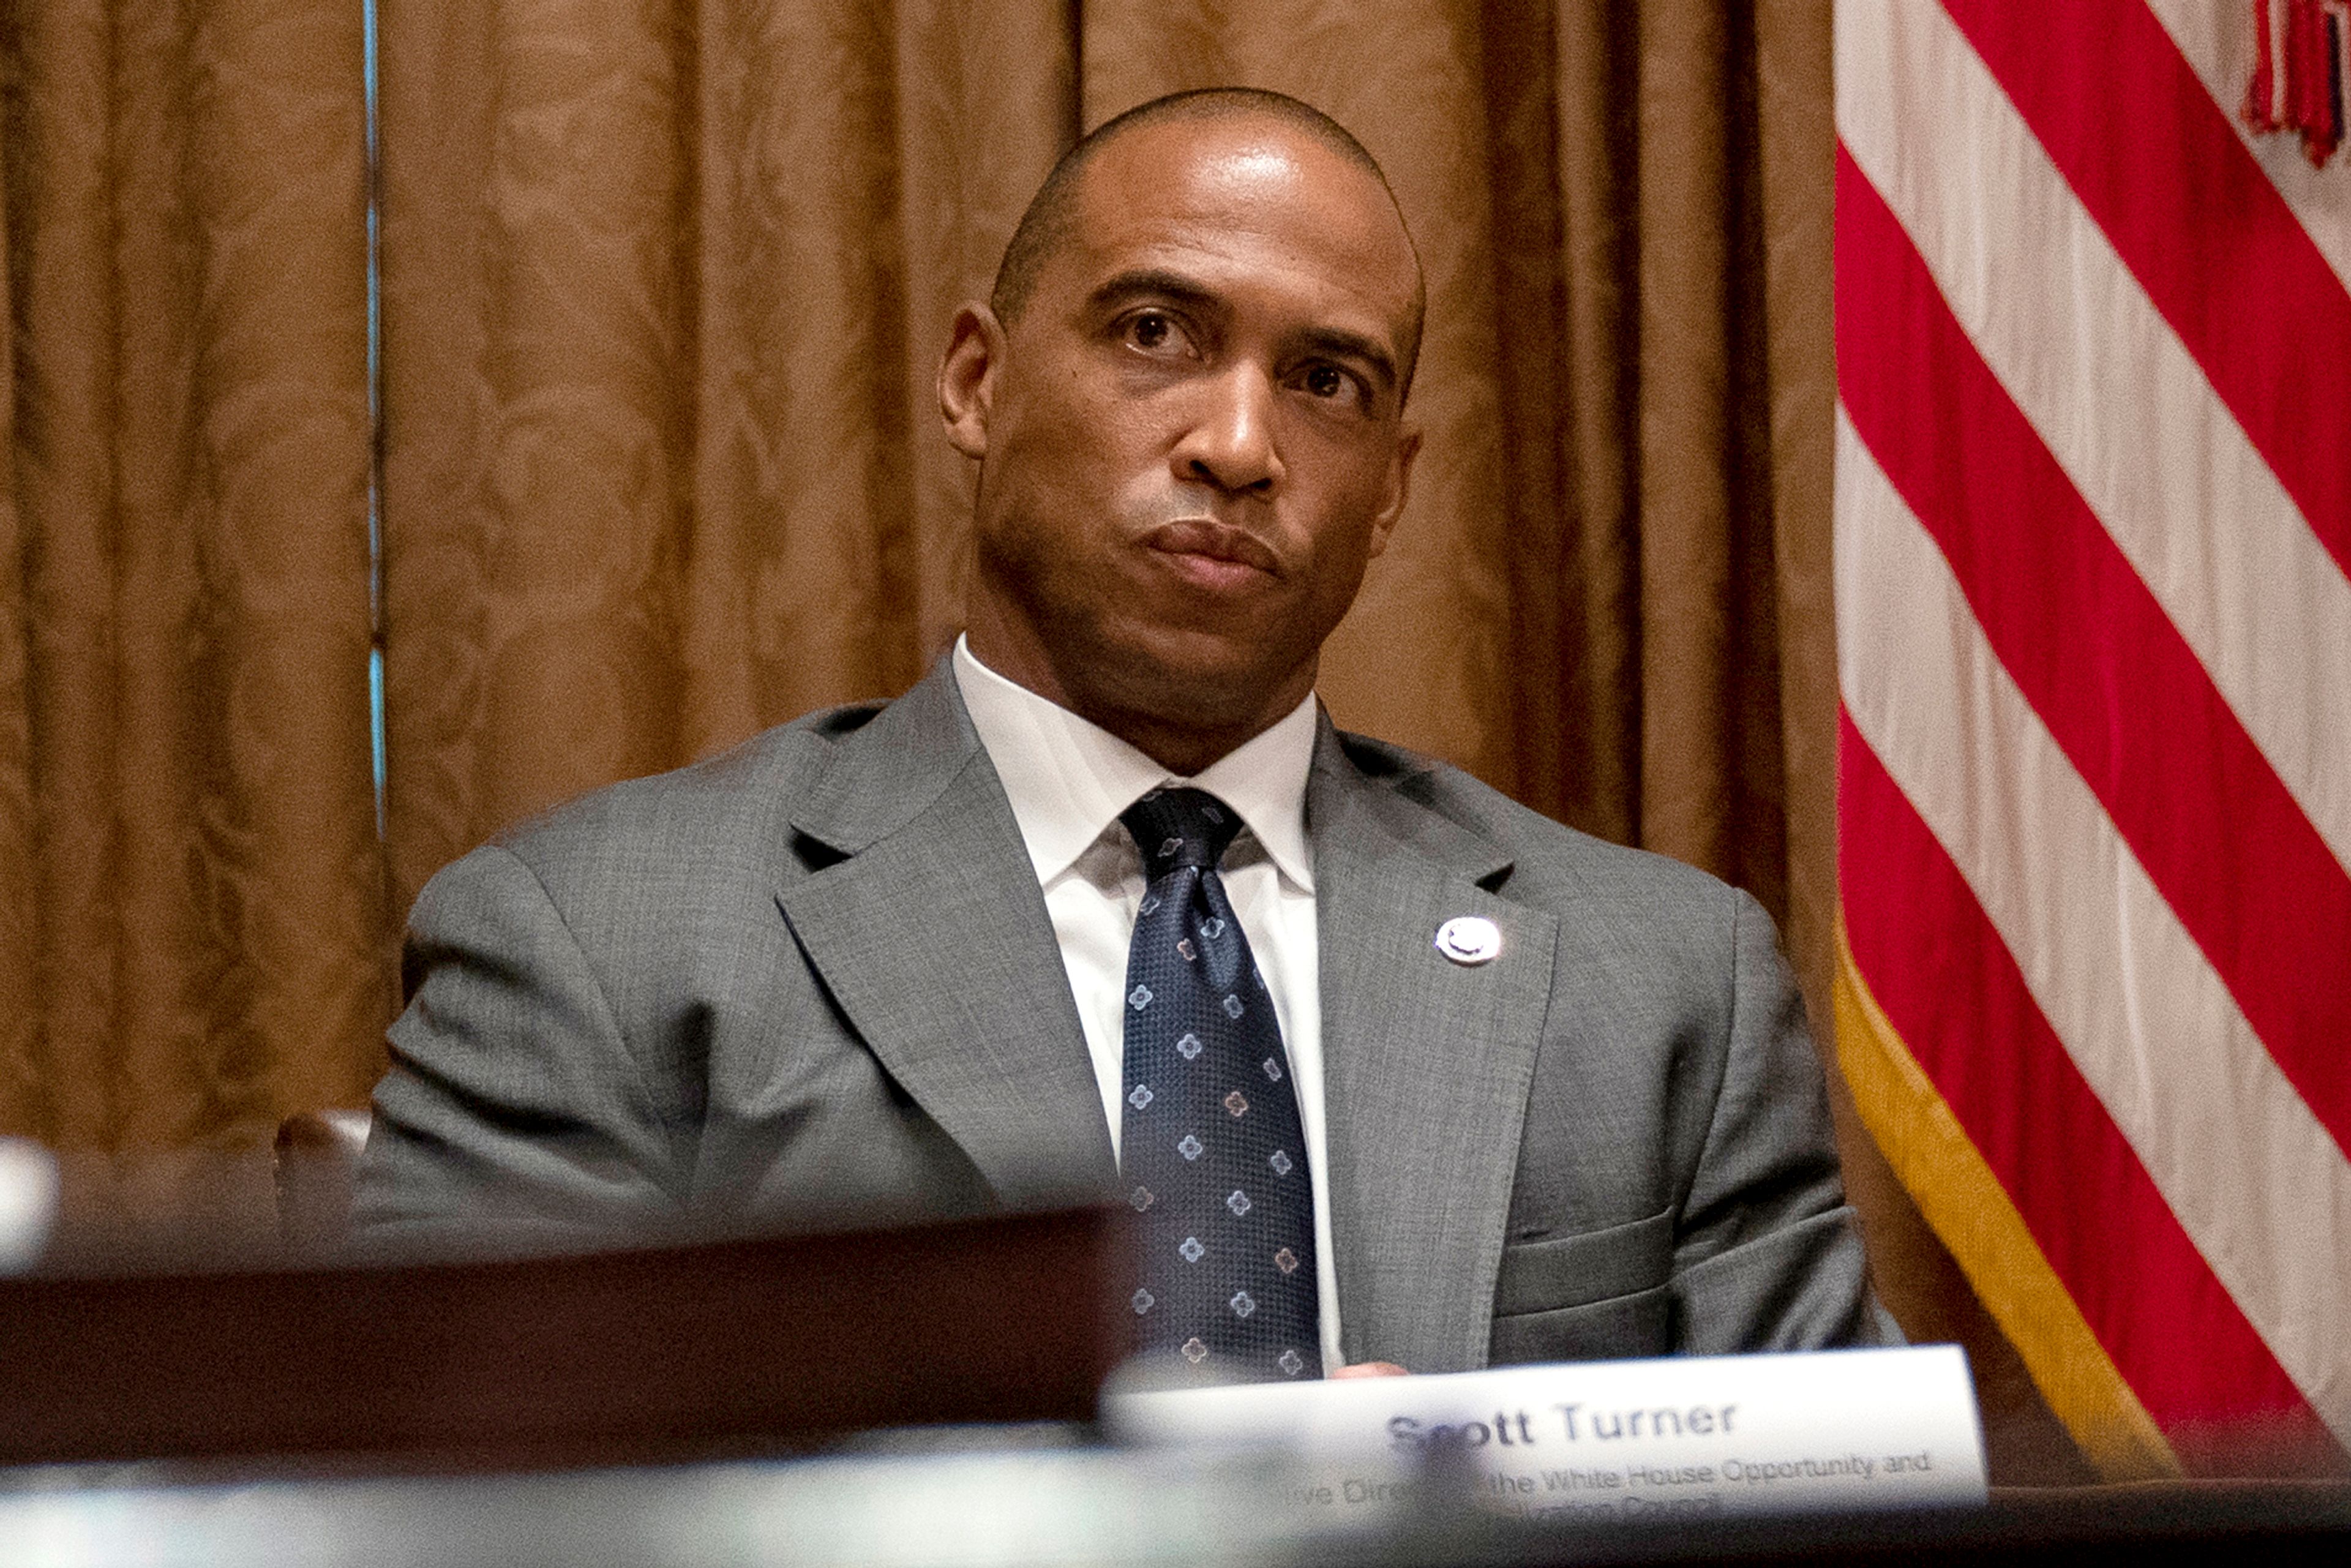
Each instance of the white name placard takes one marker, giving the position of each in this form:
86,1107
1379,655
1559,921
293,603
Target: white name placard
1825,1431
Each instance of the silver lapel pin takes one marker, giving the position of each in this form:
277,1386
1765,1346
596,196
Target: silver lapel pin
1470,939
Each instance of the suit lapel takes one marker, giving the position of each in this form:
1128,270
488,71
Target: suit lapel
933,937
1426,1066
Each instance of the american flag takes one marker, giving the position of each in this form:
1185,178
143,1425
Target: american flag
2094,616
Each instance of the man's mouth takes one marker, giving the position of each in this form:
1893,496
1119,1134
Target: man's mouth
1213,550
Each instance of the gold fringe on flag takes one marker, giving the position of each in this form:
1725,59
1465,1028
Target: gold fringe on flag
1964,1202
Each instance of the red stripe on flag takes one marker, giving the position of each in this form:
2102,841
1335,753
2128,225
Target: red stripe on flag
2201,227
2123,693
1939,971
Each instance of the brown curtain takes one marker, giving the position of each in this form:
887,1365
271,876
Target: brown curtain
191,904
663,287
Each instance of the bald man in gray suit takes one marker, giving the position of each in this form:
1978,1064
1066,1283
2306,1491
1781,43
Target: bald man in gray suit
1556,1096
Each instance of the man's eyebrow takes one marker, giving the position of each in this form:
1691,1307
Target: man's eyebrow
1144,282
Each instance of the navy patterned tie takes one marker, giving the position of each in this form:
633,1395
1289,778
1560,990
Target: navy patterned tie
1210,1146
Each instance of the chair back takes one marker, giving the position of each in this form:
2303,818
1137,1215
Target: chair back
318,1154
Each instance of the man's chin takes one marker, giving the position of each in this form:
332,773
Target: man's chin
1205,685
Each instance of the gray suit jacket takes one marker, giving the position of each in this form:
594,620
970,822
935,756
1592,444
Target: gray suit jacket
812,982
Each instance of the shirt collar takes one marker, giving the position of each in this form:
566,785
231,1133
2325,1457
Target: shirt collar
1068,778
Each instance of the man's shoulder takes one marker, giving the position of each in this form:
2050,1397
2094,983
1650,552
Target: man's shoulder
712,834
1551,865
743,789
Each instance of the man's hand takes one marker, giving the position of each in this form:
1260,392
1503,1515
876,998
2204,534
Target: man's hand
1372,1369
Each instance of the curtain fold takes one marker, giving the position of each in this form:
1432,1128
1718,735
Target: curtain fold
663,285
193,901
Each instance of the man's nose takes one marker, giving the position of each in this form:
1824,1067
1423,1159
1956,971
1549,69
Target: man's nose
1231,441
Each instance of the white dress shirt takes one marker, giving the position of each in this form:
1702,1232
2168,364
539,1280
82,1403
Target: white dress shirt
1068,780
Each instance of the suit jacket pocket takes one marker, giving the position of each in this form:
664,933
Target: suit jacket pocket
1639,1324
1596,1266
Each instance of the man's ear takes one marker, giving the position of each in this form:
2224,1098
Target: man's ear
968,374
1384,522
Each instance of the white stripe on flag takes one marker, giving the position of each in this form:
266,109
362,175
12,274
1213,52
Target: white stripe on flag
2113,393
2218,43
2254,1179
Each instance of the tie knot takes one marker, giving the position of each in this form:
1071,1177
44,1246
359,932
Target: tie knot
1175,827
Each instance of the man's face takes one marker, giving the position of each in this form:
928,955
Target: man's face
1191,440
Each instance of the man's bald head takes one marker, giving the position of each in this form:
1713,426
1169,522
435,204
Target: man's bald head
1053,214
1187,405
